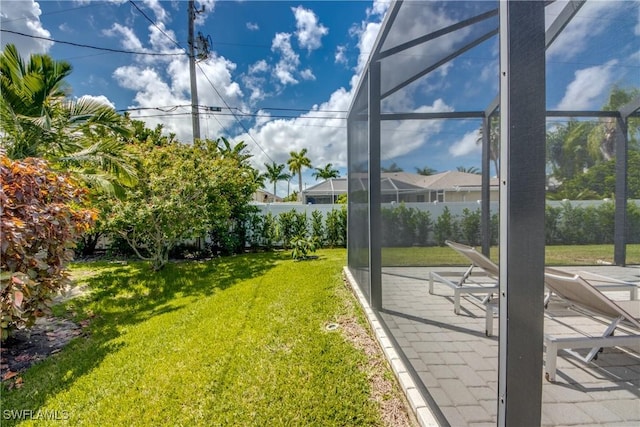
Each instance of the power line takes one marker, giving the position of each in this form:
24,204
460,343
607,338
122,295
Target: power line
156,25
106,49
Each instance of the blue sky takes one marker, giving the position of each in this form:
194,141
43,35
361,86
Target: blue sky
302,60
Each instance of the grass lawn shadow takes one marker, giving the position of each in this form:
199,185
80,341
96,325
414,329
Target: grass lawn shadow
121,296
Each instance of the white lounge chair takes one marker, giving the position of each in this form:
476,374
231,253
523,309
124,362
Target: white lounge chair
484,280
587,299
602,283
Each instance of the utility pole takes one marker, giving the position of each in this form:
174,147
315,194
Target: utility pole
195,118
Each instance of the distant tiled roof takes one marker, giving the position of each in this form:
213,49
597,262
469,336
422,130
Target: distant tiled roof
403,181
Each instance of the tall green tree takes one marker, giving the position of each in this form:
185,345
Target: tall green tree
296,162
470,169
38,119
567,149
184,192
393,167
494,141
601,139
274,174
326,172
426,171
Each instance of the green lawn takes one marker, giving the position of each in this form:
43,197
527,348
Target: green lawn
234,341
555,255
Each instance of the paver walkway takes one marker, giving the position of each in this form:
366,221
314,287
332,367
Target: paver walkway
457,365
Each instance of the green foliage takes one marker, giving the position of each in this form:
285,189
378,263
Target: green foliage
213,342
342,199
39,120
552,224
317,227
286,227
326,172
398,226
445,227
41,220
296,162
569,224
336,227
424,226
302,246
470,226
185,192
600,181
269,231
274,174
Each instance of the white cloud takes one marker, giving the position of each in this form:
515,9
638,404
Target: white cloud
254,82
466,145
587,88
309,31
289,60
252,26
341,56
100,99
379,7
413,133
307,74
24,17
161,15
584,26
260,66
129,39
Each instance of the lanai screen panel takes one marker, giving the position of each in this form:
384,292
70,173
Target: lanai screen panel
421,48
358,177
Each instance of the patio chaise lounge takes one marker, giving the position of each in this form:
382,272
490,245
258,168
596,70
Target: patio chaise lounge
484,280
589,300
584,297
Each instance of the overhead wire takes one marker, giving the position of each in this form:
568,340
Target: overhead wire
106,49
209,81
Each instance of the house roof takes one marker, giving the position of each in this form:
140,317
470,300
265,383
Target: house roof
406,182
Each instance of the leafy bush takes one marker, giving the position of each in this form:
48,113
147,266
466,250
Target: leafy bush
470,226
422,220
286,227
302,246
398,226
317,227
269,231
445,227
41,222
336,227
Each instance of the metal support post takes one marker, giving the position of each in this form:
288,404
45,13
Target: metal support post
522,202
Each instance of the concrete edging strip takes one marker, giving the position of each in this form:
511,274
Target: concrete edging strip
416,401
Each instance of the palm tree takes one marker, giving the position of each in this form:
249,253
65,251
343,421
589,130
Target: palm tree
236,151
426,171
38,120
296,162
494,142
274,174
471,169
326,172
393,167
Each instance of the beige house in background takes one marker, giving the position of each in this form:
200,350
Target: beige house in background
450,186
262,196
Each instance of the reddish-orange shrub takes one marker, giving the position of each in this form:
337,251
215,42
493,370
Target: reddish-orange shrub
42,217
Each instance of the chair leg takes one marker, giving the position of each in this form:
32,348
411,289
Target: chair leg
456,301
488,321
593,354
550,361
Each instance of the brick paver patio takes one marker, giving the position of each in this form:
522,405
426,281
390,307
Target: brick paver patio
456,365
